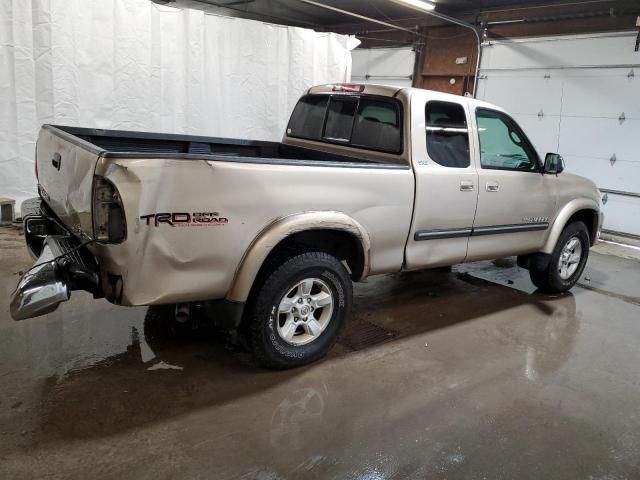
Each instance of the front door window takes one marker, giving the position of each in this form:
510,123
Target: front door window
503,145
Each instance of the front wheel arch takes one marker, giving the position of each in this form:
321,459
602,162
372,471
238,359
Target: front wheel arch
547,278
581,209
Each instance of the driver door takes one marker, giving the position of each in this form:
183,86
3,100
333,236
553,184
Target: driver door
516,202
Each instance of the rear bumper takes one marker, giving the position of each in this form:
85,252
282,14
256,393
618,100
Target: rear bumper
40,290
62,265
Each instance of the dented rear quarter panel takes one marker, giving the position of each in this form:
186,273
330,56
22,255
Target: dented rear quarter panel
165,264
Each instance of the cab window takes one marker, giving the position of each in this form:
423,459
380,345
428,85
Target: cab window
367,122
307,118
377,126
340,119
503,145
447,134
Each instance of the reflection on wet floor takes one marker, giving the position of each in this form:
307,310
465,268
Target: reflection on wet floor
480,380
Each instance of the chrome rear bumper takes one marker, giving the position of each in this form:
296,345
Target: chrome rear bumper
62,265
41,289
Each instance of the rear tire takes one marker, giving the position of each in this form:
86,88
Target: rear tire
567,261
297,314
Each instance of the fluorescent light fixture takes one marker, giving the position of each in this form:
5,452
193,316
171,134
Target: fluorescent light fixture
417,4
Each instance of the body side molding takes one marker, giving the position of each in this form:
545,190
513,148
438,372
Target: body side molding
475,231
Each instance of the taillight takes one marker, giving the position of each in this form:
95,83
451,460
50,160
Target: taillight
109,223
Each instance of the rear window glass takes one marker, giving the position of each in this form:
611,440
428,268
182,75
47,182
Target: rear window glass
340,119
377,126
361,122
307,118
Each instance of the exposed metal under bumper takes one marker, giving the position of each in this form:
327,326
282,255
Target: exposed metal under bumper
40,290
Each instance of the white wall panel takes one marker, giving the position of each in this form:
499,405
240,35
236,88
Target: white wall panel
560,51
622,175
602,92
582,84
136,65
622,214
601,138
535,93
388,66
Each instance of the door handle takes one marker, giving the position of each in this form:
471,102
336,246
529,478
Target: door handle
492,186
466,186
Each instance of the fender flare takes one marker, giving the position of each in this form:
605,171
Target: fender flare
283,227
563,217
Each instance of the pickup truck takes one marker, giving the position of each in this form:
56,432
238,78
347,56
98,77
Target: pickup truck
267,237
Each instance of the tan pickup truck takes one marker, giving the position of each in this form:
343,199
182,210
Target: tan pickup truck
267,237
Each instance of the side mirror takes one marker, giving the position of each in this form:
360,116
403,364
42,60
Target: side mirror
553,163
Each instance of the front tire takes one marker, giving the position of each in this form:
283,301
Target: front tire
567,261
297,314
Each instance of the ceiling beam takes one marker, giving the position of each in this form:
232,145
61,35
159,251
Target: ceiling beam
357,15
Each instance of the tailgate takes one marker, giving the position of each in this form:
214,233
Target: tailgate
65,164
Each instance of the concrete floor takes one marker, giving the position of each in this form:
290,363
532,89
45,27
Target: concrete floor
484,379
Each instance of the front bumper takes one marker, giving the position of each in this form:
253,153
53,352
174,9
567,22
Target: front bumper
62,265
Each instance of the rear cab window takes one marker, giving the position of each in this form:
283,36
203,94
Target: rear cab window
358,121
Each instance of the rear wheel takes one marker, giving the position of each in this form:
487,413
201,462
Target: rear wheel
298,312
567,261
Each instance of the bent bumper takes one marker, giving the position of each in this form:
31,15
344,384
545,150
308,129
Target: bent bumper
62,265
41,289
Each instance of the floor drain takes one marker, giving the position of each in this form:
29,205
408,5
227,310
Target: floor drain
360,334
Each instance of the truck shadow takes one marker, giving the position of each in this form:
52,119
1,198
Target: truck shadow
152,382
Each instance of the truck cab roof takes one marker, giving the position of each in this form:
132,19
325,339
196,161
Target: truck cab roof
394,91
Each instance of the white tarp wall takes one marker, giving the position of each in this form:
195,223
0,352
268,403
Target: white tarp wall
569,94
135,65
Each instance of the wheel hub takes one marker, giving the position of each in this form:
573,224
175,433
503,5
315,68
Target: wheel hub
570,257
305,311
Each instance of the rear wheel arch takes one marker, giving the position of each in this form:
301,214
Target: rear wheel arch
332,232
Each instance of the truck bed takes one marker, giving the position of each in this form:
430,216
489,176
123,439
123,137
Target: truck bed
130,144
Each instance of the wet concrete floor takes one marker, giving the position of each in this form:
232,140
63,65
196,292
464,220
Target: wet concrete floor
481,378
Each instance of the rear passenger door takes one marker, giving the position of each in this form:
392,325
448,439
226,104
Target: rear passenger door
446,183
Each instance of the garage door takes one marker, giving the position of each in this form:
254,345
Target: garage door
388,66
579,96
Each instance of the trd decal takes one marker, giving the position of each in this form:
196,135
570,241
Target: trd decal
185,219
